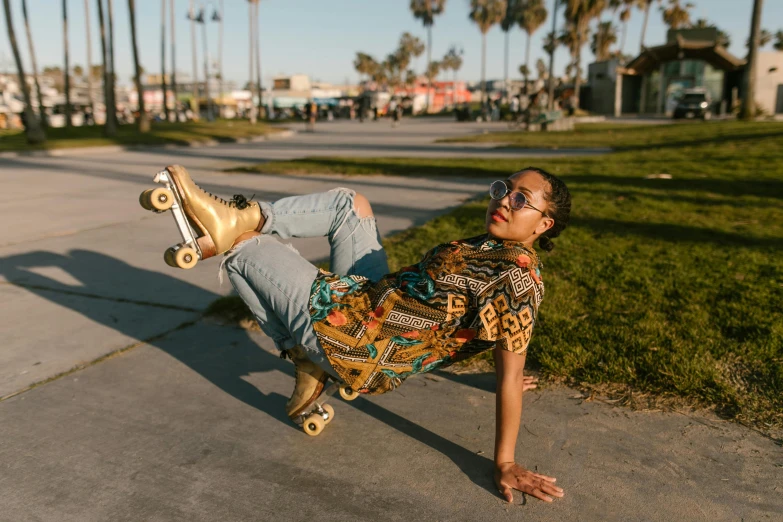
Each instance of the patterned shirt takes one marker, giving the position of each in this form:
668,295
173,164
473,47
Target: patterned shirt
461,299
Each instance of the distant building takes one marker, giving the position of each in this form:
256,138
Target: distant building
652,82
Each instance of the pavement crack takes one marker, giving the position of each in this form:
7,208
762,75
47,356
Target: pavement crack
100,359
106,298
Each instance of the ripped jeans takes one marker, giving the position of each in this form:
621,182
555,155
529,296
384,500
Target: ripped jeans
275,281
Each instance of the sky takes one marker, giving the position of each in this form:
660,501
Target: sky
321,38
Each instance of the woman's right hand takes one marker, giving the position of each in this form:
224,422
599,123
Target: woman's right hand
510,476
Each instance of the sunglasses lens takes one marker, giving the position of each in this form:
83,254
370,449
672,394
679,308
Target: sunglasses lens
517,200
497,190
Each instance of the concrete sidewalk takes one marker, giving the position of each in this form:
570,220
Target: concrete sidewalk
192,427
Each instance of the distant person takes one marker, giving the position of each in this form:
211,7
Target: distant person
394,112
311,114
514,107
369,329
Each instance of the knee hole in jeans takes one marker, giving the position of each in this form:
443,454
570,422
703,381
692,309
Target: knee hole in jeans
361,205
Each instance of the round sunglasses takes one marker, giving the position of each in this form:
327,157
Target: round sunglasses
516,199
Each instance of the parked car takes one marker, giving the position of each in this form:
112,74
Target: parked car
694,104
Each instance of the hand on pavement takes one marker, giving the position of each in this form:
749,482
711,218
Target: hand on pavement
529,383
510,476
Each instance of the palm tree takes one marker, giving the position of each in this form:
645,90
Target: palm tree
173,59
677,16
578,14
365,64
764,38
194,55
645,5
144,121
110,127
163,56
749,100
251,54
259,84
113,75
486,13
426,11
453,61
552,36
89,55
723,39
67,86
41,109
778,45
33,131
531,17
603,39
513,8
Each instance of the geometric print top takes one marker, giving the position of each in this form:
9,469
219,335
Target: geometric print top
461,299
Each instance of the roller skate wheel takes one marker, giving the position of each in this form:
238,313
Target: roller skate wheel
329,413
161,199
144,199
313,425
185,258
347,393
169,257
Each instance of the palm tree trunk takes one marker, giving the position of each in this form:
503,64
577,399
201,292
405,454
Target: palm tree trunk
749,100
33,131
527,61
144,121
89,57
220,61
644,25
251,53
174,60
505,66
113,75
110,126
483,70
197,104
163,57
259,85
429,66
206,70
67,86
551,97
41,109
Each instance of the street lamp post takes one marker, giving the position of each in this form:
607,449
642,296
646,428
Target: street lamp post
200,19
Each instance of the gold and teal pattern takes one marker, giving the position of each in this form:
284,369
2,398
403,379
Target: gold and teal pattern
461,299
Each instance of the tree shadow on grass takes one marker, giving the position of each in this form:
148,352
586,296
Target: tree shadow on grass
711,140
750,187
225,367
676,233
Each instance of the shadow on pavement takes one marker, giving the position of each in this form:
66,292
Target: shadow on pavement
224,367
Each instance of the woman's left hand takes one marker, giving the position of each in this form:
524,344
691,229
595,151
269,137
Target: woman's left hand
529,383
510,476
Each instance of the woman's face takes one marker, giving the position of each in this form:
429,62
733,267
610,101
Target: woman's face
526,224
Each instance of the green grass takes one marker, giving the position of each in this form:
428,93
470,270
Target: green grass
161,133
672,288
629,137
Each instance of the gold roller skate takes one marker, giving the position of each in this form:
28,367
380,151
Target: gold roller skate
307,406
208,224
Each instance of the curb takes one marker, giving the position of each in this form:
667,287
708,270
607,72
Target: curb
75,151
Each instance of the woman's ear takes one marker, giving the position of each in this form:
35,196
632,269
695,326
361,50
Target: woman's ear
545,224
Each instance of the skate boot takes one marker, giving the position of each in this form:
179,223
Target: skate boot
302,407
219,221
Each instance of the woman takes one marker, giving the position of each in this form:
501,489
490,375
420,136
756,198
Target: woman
371,329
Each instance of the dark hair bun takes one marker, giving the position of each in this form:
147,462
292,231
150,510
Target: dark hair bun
546,244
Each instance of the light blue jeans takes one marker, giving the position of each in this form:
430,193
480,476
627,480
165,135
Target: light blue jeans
275,281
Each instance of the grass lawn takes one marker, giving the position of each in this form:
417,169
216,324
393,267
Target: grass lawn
660,288
161,133
630,137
